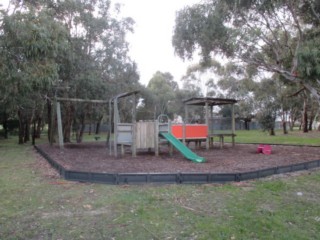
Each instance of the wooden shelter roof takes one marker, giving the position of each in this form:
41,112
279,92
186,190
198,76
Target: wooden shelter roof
201,101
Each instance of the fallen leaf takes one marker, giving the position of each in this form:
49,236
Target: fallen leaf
87,206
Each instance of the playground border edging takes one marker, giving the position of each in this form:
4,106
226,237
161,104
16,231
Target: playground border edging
172,178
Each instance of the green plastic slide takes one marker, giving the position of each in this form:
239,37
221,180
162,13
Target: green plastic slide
186,152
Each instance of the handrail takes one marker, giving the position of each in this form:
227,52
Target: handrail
163,115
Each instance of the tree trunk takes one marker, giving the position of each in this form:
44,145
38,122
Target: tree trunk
67,121
284,127
34,132
38,127
5,125
284,123
27,130
98,125
246,124
311,120
50,115
272,132
21,127
80,129
292,123
83,126
90,128
305,116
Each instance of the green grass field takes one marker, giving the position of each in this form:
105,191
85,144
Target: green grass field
293,137
34,204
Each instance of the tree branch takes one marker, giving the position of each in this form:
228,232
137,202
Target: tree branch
300,37
297,93
317,16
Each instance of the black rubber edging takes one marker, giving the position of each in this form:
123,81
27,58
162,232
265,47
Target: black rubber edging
172,178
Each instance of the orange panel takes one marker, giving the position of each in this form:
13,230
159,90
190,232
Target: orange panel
176,131
193,131
196,131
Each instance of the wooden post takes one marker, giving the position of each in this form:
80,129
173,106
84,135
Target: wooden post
122,149
134,127
52,122
170,145
115,126
211,116
211,127
59,125
207,123
233,125
109,130
156,137
184,124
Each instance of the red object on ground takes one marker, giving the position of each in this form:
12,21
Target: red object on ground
265,149
260,148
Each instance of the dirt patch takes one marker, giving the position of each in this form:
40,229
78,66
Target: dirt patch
94,157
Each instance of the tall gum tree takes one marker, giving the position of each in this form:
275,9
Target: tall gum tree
97,66
163,89
29,42
76,46
280,36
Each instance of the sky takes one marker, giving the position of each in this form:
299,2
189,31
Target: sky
150,44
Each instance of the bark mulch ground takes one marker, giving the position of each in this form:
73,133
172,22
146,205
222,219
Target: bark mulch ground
94,157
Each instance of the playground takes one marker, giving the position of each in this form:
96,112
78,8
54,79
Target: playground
159,146
93,157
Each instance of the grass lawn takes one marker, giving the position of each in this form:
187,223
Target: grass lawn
252,136
293,137
37,205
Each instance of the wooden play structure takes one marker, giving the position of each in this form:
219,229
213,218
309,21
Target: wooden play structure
204,132
150,134
142,134
137,135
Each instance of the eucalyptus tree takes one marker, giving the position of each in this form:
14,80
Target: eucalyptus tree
280,36
163,89
304,108
239,83
200,80
29,42
191,82
66,48
269,106
97,66
250,90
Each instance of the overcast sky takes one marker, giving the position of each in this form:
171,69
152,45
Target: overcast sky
150,44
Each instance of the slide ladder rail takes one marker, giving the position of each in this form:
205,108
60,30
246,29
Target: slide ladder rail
186,152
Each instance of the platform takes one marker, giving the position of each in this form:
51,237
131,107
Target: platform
221,138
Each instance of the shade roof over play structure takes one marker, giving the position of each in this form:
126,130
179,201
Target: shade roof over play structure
203,101
209,103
